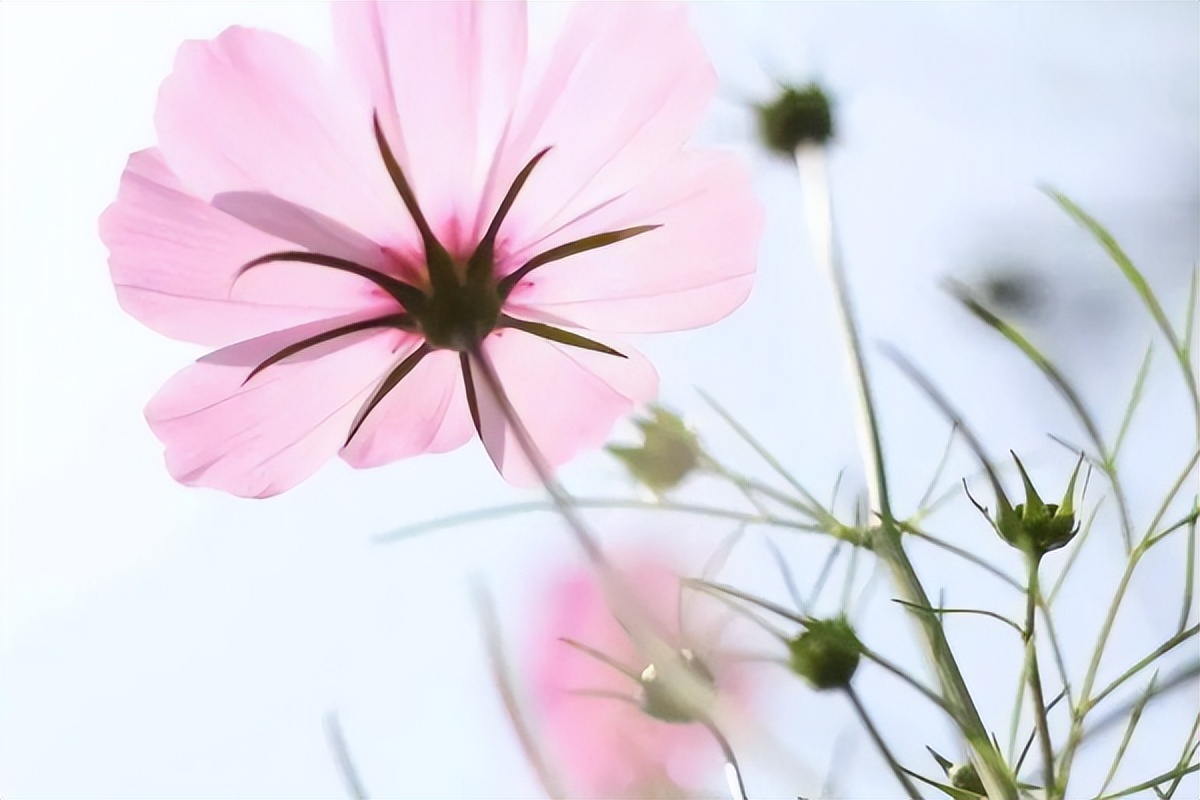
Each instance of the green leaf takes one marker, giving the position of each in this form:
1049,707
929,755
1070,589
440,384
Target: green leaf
1136,280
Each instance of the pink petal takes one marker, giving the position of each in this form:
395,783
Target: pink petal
264,436
173,259
611,748
253,111
567,397
693,270
625,87
445,78
426,413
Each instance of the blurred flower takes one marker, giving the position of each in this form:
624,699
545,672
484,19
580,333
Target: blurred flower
613,729
355,236
669,451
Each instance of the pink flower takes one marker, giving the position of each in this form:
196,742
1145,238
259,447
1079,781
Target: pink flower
611,747
354,236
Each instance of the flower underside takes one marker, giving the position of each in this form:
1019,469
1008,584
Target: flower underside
463,303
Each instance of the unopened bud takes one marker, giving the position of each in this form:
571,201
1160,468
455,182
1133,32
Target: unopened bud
679,697
1034,526
964,776
798,115
668,453
826,654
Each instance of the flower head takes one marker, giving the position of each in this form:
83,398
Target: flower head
613,724
356,236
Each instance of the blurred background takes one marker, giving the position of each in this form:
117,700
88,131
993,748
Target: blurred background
158,641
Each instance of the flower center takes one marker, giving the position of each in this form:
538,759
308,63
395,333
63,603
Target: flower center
464,302
458,316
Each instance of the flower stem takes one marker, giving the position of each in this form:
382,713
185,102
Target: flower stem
811,165
1033,675
892,763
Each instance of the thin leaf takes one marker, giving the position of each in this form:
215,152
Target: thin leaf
1178,772
1162,649
386,385
939,611
1076,547
502,677
603,658
823,575
1189,322
1064,387
937,472
1134,718
516,509
957,794
559,335
819,512
510,281
1139,384
1137,281
1185,611
789,580
341,753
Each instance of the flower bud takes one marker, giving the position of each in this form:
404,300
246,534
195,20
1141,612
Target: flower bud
964,776
826,654
1034,526
798,115
682,700
668,453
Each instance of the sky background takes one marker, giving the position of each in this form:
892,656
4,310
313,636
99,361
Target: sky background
160,641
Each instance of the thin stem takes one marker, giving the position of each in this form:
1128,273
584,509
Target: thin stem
515,509
811,165
965,555
1162,649
341,753
1034,676
892,763
640,627
733,772
504,685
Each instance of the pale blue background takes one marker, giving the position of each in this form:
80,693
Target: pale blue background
158,641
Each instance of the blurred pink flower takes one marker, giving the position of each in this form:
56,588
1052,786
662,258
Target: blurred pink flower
609,747
353,235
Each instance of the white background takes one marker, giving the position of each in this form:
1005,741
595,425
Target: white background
158,641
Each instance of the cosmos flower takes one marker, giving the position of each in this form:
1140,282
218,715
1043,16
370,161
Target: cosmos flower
356,236
606,724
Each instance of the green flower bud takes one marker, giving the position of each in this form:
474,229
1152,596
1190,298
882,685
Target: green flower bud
669,451
799,115
826,654
679,701
1034,526
964,776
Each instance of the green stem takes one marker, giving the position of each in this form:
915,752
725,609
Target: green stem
1000,784
892,763
1033,674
